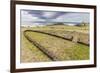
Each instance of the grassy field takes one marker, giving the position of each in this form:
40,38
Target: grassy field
61,49
83,29
29,52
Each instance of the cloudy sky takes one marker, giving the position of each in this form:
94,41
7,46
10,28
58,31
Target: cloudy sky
36,17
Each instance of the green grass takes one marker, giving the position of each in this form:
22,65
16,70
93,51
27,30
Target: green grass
30,53
61,49
83,29
80,52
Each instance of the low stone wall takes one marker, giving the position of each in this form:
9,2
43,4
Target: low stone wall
73,36
84,38
41,48
77,37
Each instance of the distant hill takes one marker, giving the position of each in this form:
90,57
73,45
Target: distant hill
56,24
83,24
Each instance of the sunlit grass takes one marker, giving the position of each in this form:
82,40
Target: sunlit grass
79,52
61,49
30,53
83,29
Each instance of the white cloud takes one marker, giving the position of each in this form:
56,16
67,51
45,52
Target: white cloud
46,17
73,17
48,14
28,18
